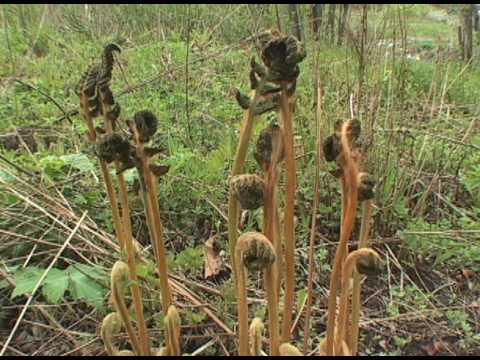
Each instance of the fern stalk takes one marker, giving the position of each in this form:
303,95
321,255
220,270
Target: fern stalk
289,225
233,214
347,273
356,295
107,179
349,202
154,223
119,271
129,247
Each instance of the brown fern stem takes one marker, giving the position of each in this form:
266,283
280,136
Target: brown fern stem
352,339
272,301
154,222
289,226
128,238
347,272
269,221
350,199
116,284
111,193
233,214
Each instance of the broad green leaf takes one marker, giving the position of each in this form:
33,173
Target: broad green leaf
94,272
85,287
26,280
55,285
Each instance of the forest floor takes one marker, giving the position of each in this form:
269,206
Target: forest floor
420,107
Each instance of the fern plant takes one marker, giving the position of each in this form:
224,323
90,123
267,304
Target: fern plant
112,147
273,85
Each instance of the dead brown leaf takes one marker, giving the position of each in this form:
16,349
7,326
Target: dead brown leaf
213,261
435,348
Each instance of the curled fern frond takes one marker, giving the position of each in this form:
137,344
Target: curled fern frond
366,261
281,54
113,147
146,124
267,102
256,335
118,277
369,265
105,74
249,190
332,147
172,325
270,146
256,250
366,183
287,349
111,325
242,99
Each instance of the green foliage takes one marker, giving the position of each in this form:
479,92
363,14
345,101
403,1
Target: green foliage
439,243
471,176
55,286
190,259
460,320
194,317
83,282
55,166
